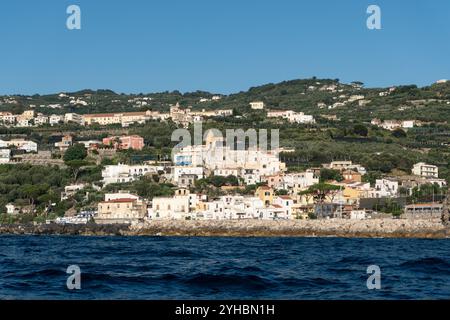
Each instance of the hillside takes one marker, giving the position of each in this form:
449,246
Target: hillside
312,96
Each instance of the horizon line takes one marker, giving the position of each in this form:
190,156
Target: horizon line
313,78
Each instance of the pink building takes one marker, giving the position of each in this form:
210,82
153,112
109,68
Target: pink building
125,142
273,181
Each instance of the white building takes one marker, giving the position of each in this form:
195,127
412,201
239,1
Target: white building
214,155
345,165
257,105
408,124
357,214
300,180
236,207
40,120
176,207
179,171
286,203
23,123
89,143
392,125
11,209
425,170
5,155
213,210
120,195
73,117
8,117
440,182
71,190
20,144
55,119
123,173
251,176
291,116
386,188
225,172
274,212
354,98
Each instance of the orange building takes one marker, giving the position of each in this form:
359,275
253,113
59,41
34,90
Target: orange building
134,142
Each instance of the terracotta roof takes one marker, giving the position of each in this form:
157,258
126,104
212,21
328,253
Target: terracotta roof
350,172
136,113
120,200
425,204
98,115
95,115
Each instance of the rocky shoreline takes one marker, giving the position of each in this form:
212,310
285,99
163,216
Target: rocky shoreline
90,229
375,228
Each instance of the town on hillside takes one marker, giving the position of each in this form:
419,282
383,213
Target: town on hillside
344,152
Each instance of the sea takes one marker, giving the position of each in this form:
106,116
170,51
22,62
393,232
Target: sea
36,267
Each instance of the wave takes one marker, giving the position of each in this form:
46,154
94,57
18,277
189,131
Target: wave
427,265
251,282
355,260
308,282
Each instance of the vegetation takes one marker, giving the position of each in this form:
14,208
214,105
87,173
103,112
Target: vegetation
348,136
36,187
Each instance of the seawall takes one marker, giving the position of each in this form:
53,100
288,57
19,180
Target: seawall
394,228
375,228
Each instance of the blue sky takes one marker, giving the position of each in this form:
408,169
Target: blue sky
220,46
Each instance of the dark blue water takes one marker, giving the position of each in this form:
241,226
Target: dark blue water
34,267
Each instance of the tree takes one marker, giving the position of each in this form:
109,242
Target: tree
281,192
30,192
330,174
399,133
358,83
320,191
75,152
33,191
360,130
76,166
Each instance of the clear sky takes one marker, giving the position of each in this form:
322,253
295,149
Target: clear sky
222,46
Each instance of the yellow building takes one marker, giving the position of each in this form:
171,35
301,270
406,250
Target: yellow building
265,194
124,210
26,115
117,118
